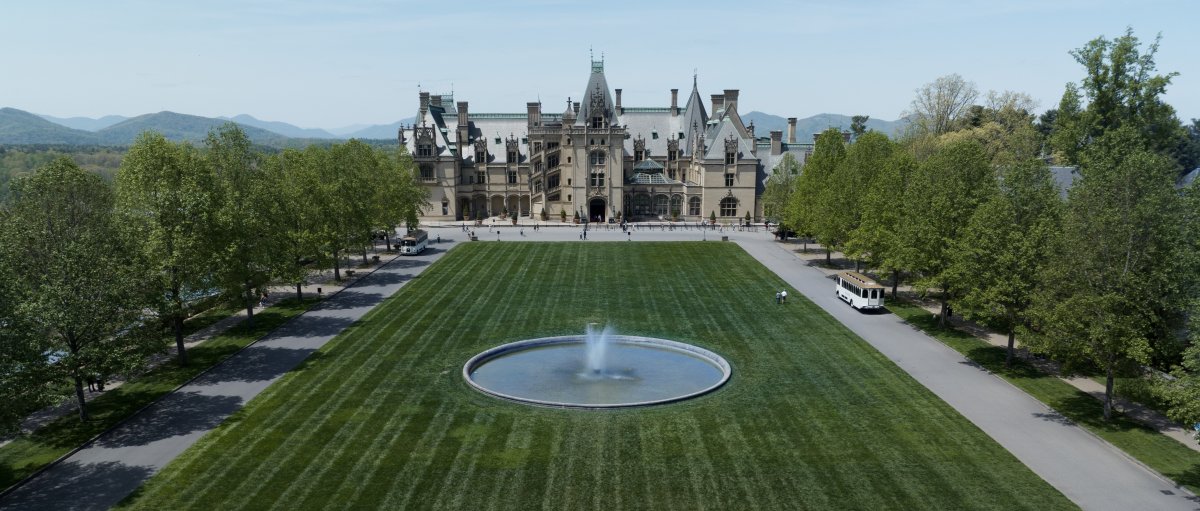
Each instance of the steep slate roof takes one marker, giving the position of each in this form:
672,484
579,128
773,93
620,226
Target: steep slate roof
596,86
1064,178
1188,178
719,131
693,115
647,122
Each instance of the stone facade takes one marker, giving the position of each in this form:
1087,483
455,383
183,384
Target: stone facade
597,159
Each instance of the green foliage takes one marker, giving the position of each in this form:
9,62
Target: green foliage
81,288
1182,392
245,236
941,104
877,238
780,187
17,160
1116,280
940,199
1123,90
25,373
165,203
815,190
847,190
998,260
858,125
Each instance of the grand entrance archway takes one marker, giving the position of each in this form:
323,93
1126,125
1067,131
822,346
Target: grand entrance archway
596,210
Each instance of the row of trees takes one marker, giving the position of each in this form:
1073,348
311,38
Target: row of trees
966,206
91,272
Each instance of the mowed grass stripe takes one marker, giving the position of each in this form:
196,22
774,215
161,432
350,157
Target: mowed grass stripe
812,418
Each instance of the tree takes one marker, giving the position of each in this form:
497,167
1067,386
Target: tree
849,186
812,199
25,373
401,196
83,288
941,104
780,187
858,125
998,260
1182,391
1114,279
942,195
294,175
1122,89
249,248
164,200
877,236
1070,129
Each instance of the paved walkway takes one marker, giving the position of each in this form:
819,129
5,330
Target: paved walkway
118,462
1089,471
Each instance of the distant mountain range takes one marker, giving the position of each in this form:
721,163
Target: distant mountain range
20,127
764,124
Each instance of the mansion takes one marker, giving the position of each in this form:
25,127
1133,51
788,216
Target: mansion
597,158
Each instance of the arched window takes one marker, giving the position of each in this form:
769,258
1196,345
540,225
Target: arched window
597,158
694,206
597,178
641,204
729,206
676,205
660,205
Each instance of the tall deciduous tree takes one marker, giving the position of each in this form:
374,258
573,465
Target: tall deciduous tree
1122,89
164,199
941,104
877,237
941,197
83,288
25,373
296,211
812,199
1115,278
400,196
998,261
851,183
780,187
248,244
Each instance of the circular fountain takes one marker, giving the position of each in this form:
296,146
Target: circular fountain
598,370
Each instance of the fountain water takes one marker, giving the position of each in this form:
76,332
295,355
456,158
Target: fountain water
596,370
597,349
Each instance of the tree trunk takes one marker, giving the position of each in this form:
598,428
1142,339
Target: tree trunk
945,309
387,238
895,282
828,256
337,270
1108,392
1012,335
857,265
299,294
80,399
364,255
249,305
177,326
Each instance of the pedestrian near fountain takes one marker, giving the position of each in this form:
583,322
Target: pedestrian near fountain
777,298
783,296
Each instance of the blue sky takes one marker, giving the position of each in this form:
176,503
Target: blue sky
327,64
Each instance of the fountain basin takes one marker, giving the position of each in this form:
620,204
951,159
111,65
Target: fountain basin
639,371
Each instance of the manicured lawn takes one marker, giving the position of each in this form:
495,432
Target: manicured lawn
27,454
1163,454
812,418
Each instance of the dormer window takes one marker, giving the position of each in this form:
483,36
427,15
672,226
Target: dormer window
730,158
425,150
512,156
480,156
597,122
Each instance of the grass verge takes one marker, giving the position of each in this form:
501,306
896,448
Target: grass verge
29,453
380,418
1159,452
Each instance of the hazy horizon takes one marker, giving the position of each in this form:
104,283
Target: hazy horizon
329,66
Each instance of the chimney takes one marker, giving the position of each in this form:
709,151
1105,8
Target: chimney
791,130
424,102
576,107
674,102
533,110
462,113
731,96
619,111
776,142
435,100
718,103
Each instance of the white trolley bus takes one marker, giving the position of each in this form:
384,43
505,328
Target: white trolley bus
858,291
414,242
